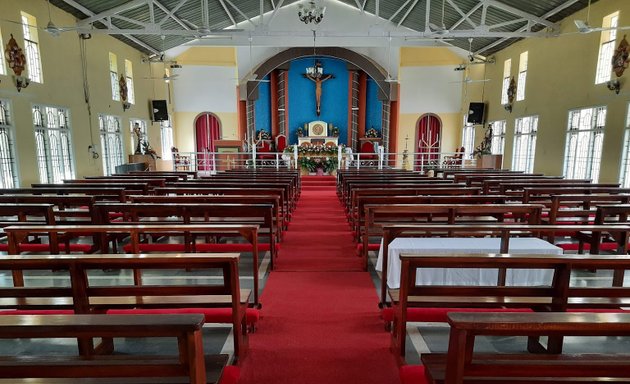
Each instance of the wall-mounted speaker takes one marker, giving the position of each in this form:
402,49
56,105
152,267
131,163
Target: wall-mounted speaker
159,111
475,113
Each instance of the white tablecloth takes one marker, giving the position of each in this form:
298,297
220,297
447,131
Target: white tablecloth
467,276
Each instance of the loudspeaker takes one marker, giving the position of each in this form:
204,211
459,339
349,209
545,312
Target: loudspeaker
475,113
159,110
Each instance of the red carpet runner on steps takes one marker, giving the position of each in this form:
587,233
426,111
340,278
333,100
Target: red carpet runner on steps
320,319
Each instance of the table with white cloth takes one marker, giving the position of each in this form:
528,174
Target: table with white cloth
466,245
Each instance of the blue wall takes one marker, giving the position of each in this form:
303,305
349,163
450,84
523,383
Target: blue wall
334,102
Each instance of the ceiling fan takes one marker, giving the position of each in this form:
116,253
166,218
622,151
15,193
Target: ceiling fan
389,78
584,27
250,75
52,28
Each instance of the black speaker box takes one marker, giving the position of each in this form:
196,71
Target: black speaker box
475,113
159,110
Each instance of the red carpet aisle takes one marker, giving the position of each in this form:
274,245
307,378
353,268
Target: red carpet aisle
320,319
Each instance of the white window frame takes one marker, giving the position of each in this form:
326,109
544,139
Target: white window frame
522,76
166,133
3,67
507,69
131,94
468,137
31,48
498,137
606,48
143,133
624,174
53,142
110,133
113,76
585,138
525,134
8,163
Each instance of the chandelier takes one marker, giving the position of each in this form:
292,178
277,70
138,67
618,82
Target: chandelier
311,13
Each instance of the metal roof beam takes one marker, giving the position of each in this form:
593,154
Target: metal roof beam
465,16
227,10
87,12
427,16
111,12
520,13
558,9
359,6
275,11
171,14
240,12
399,9
409,11
132,21
506,23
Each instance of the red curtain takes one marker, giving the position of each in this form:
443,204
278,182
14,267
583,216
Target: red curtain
429,140
206,133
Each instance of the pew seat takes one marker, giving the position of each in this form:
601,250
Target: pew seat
201,247
44,247
439,315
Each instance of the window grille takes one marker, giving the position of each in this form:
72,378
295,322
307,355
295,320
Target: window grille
31,48
498,137
468,138
625,165
507,68
53,144
525,132
585,136
606,48
111,142
522,76
8,172
113,76
166,130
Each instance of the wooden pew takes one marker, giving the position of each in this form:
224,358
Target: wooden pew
131,188
191,364
151,182
100,194
462,365
617,214
221,300
186,213
421,183
553,296
518,189
182,175
17,234
166,177
377,216
537,193
74,208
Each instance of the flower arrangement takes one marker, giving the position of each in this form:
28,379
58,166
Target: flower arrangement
372,133
262,135
311,157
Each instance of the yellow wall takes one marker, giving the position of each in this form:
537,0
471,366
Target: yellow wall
214,56
63,87
561,77
427,56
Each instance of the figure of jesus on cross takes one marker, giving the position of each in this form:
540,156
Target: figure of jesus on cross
316,74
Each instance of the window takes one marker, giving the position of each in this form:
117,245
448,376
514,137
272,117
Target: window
522,76
166,130
113,76
3,68
131,96
585,135
507,68
525,132
606,48
625,165
498,137
142,129
111,142
53,144
31,48
468,138
8,173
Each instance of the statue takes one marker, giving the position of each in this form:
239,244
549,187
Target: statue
318,77
138,133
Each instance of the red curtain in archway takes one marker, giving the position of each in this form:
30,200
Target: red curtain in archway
206,133
429,140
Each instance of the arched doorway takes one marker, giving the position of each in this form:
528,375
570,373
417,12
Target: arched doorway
429,139
207,131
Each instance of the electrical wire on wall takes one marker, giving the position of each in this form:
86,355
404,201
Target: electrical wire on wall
86,94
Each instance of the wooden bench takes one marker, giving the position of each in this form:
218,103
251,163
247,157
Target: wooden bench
150,181
346,193
186,213
617,214
99,194
518,189
182,175
131,188
461,364
377,216
138,240
219,300
189,365
67,208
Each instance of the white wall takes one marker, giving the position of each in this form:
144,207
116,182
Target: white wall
437,89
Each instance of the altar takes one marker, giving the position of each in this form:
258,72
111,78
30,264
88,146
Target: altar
319,133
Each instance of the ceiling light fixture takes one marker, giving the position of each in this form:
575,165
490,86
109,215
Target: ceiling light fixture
311,13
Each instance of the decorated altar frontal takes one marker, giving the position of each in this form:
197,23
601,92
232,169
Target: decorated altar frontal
312,158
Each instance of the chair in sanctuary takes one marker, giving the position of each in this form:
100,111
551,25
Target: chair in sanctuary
264,151
367,151
281,143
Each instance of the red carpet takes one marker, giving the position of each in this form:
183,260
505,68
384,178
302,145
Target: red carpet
320,322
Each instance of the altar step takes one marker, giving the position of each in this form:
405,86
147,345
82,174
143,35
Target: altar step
318,182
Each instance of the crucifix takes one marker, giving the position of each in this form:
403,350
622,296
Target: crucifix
316,75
